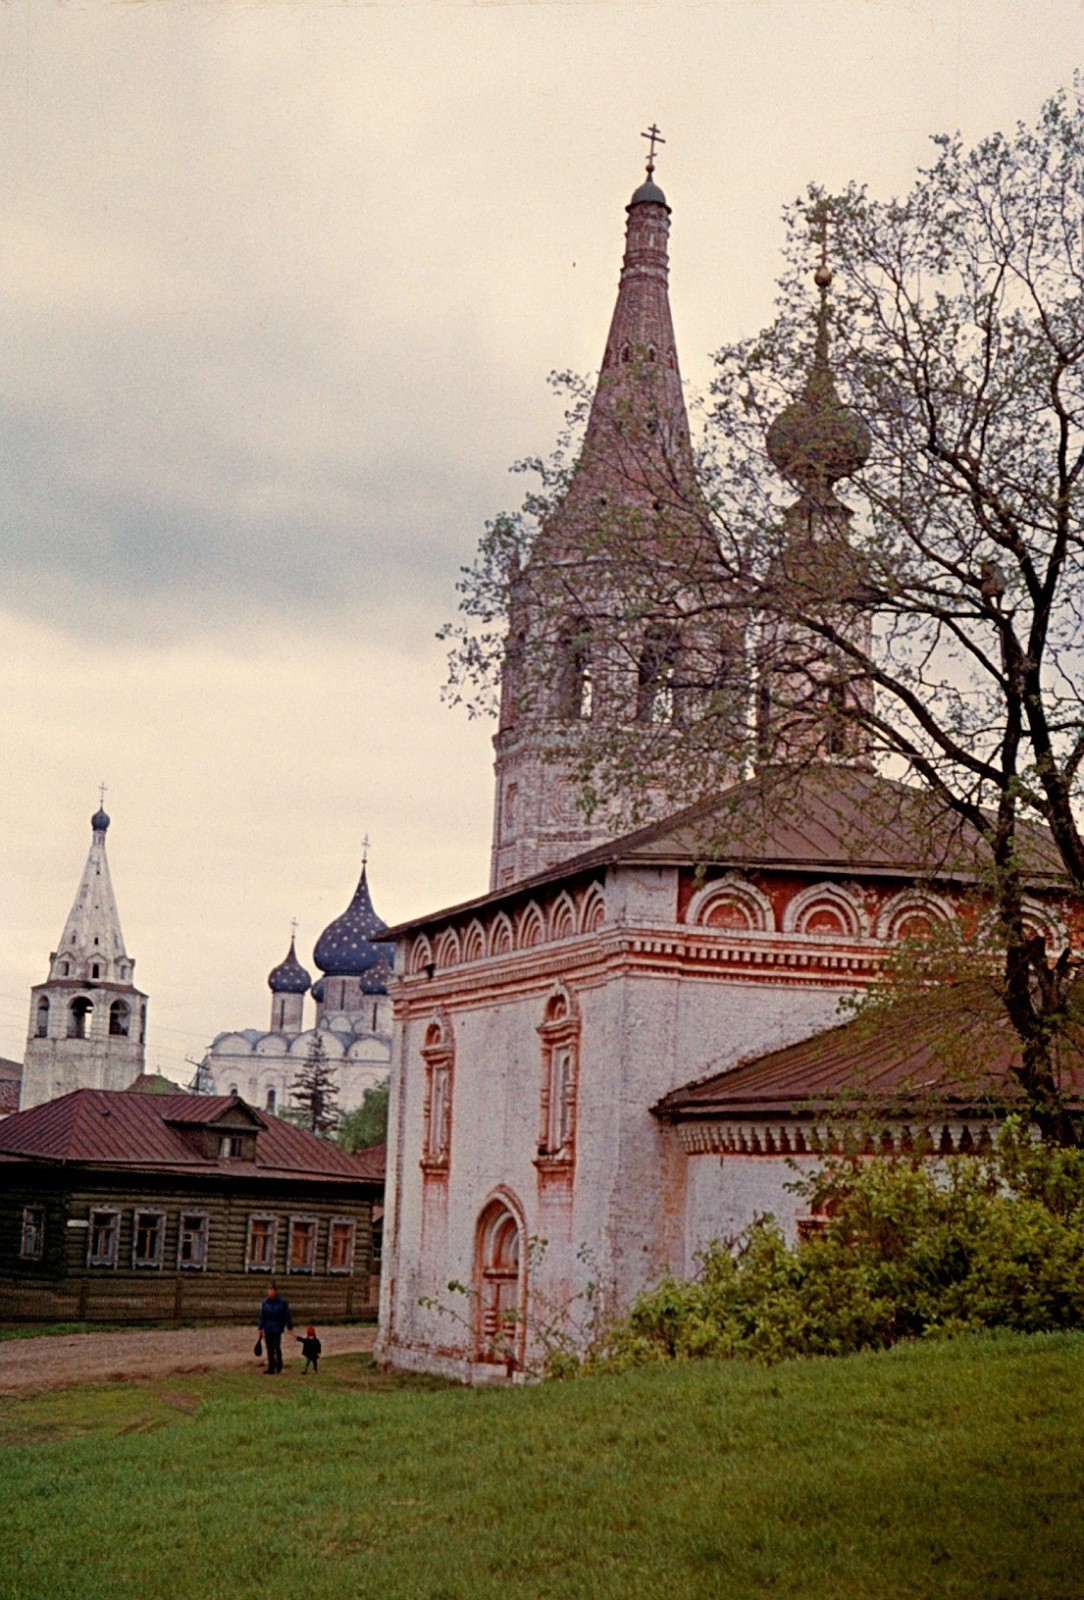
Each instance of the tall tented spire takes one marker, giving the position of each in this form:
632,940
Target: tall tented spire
636,444
92,932
596,635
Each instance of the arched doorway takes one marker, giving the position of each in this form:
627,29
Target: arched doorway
501,1284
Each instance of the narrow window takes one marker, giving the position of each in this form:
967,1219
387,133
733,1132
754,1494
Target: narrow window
340,1244
143,1022
301,1251
560,1036
438,1053
231,1146
79,1014
655,699
575,690
270,1101
192,1241
148,1238
43,1017
33,1236
260,1247
103,1239
95,970
65,968
119,1018
835,718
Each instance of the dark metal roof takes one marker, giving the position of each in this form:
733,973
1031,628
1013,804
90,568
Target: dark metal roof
115,1128
818,819
955,1046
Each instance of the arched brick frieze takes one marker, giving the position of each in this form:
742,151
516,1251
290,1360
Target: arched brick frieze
734,905
593,910
1040,918
911,914
474,942
562,918
826,911
421,954
449,953
500,935
531,930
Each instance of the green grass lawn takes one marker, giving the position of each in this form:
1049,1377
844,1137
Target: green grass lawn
941,1470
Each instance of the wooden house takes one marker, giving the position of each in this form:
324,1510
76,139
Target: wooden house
126,1207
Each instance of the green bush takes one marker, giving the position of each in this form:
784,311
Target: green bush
909,1248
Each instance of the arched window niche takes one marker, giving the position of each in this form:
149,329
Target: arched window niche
438,1053
42,1020
500,1282
80,1013
120,1019
656,695
574,689
559,1033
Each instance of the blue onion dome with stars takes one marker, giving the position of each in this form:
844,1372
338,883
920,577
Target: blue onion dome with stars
348,947
289,977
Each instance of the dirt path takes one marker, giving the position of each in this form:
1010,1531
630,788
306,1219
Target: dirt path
64,1360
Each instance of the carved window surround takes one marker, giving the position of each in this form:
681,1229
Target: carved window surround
438,1053
559,1033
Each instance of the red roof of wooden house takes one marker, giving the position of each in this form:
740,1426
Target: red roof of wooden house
113,1128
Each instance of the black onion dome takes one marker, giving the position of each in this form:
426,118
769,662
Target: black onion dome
648,194
347,947
99,821
289,977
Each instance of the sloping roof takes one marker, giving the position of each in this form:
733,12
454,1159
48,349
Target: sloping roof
114,1128
955,1047
825,818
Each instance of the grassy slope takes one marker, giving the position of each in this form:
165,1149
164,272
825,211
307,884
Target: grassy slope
943,1471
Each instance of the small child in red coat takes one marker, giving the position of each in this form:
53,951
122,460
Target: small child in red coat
310,1349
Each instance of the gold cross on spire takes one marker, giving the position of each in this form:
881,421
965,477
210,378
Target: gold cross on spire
101,795
293,927
655,138
365,851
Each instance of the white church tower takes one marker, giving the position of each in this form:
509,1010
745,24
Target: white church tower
88,1021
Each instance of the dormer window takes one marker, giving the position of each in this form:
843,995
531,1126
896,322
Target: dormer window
231,1146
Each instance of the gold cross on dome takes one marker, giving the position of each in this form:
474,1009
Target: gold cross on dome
293,927
365,851
101,795
655,138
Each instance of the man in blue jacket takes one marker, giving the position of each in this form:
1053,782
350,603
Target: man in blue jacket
275,1318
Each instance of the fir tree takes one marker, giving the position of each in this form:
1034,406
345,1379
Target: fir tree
315,1092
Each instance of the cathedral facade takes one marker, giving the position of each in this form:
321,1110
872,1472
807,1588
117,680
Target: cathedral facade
632,1044
352,1019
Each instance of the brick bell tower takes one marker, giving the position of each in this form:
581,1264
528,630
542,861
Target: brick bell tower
584,646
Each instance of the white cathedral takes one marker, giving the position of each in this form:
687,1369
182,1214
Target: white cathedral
625,1047
352,1020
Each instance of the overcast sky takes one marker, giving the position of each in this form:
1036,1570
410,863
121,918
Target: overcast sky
281,286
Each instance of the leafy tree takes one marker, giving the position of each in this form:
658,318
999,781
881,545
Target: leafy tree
368,1124
935,616
315,1091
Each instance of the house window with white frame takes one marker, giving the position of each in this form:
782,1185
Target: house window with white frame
260,1244
32,1247
341,1235
103,1238
301,1248
148,1238
192,1241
